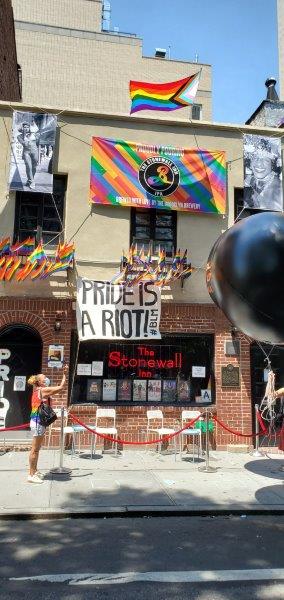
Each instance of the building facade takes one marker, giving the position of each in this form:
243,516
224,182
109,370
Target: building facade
41,314
68,60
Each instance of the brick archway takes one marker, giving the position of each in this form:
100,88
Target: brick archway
25,317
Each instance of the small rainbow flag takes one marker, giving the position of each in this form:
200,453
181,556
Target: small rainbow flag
65,252
38,254
163,96
24,247
5,246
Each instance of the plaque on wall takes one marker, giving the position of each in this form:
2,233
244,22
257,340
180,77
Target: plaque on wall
230,376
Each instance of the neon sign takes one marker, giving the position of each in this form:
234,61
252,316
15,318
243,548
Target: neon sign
146,359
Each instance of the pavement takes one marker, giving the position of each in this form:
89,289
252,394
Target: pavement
141,483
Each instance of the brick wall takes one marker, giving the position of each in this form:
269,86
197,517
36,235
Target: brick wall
9,85
233,406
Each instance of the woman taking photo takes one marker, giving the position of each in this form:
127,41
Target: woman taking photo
42,392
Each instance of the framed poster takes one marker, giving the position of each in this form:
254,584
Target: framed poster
139,390
183,389
109,390
19,383
94,387
124,393
55,356
169,390
154,390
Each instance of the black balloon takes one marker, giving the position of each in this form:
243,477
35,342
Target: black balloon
245,276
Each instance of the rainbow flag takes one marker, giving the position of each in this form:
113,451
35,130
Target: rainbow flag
65,252
5,246
37,255
24,247
163,96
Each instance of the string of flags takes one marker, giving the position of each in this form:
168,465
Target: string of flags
22,260
159,270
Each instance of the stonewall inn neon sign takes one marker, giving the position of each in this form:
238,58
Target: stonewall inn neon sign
146,361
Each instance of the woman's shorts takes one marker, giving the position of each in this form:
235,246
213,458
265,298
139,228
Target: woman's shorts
36,428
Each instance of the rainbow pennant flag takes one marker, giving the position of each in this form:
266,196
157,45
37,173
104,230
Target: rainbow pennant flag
37,255
24,247
5,246
163,96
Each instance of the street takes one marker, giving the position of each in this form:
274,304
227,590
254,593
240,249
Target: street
163,558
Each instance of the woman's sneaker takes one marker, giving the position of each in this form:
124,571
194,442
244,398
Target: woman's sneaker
34,479
39,474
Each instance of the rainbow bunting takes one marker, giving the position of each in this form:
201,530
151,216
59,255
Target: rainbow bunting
38,254
163,96
5,246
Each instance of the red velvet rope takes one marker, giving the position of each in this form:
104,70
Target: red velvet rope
261,423
233,430
119,441
14,428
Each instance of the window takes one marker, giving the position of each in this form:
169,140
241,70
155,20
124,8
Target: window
40,215
196,112
154,227
173,370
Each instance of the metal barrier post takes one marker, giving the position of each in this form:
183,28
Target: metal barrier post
256,452
61,470
207,467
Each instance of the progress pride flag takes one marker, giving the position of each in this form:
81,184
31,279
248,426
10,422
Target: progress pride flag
107,311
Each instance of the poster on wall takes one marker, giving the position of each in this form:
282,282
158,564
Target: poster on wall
169,390
198,371
124,390
84,369
97,368
183,390
154,390
139,390
106,311
109,390
19,383
155,176
262,173
32,147
94,390
55,356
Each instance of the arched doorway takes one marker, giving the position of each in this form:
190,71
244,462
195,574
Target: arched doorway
20,357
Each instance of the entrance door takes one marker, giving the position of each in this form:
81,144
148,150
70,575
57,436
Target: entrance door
20,357
259,375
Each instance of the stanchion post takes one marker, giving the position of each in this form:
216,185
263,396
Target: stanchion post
256,452
207,467
61,470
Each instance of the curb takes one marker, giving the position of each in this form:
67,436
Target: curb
111,512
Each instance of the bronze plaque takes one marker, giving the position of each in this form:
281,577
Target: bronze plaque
230,376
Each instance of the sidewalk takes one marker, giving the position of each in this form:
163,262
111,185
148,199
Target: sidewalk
140,482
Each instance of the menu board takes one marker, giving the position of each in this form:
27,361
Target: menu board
94,387
139,390
109,390
154,390
169,390
124,390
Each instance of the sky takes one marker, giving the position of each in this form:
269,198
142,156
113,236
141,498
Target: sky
237,37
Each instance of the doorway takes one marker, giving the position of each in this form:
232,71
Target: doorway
21,355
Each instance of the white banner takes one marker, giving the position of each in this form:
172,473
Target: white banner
107,311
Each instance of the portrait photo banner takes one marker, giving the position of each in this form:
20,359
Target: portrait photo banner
154,176
32,147
262,173
107,311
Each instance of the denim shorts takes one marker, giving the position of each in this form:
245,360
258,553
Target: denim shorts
36,428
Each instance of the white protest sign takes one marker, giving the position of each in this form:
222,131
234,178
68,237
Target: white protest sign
107,311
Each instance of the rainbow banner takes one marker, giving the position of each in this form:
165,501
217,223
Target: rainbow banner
163,96
154,176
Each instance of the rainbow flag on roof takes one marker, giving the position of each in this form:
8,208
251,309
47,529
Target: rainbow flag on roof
163,96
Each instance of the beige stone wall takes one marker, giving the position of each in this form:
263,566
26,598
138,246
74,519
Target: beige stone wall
77,14
67,61
104,231
280,18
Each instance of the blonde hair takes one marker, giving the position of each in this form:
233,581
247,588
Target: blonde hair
33,380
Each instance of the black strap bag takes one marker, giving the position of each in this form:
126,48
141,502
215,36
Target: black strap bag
46,414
